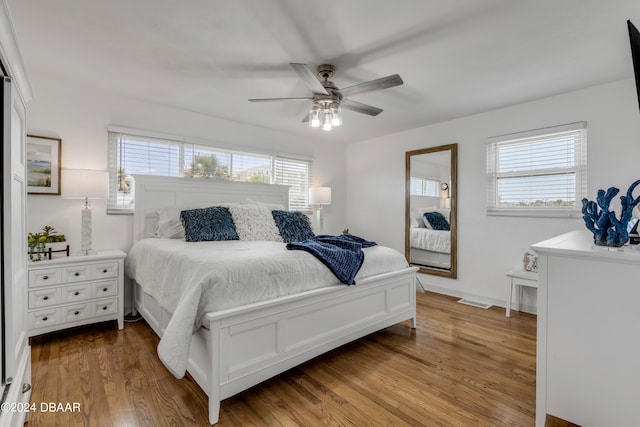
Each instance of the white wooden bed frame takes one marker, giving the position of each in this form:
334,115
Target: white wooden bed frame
246,345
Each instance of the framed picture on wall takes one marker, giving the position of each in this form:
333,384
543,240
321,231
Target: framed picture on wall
43,164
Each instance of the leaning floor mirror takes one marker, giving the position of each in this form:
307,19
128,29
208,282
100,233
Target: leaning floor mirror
431,208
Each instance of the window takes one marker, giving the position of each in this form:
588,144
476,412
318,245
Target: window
425,187
538,173
144,155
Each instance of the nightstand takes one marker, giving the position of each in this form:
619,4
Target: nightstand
75,290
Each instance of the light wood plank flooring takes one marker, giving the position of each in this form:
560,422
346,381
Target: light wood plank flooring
462,366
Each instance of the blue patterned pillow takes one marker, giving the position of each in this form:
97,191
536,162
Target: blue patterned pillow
207,224
436,221
293,226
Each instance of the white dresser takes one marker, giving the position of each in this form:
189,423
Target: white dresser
75,290
588,347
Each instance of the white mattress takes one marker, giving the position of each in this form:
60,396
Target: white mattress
191,279
430,240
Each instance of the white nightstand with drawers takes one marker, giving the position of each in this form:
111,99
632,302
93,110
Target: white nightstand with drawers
75,290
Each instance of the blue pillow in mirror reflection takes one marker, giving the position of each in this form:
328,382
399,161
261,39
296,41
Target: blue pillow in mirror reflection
436,221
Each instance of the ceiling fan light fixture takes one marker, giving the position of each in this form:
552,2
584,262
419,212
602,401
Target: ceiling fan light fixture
314,117
326,120
325,115
336,120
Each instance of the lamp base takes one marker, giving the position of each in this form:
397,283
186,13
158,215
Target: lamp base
85,246
320,220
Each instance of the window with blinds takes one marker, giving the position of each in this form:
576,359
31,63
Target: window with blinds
131,155
538,173
424,187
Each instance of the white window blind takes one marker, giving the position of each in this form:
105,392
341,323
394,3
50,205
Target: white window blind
424,187
296,174
131,154
540,173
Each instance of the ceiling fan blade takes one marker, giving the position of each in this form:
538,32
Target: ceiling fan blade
378,84
310,79
360,107
305,119
305,98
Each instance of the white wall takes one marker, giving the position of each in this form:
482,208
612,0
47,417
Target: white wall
79,116
488,246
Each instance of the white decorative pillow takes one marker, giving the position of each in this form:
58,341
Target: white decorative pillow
271,206
415,219
169,224
254,222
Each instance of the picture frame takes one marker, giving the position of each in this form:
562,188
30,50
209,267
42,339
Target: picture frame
44,163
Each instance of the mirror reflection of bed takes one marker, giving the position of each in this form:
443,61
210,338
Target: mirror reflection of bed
430,205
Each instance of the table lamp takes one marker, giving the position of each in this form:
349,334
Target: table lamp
320,196
87,185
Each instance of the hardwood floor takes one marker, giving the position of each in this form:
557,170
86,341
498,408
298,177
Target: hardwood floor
462,366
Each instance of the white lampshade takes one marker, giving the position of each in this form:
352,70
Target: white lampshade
320,196
84,184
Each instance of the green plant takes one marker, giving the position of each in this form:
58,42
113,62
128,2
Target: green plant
37,241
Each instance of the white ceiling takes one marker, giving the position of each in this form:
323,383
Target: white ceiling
456,57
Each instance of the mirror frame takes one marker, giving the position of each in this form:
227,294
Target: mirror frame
452,273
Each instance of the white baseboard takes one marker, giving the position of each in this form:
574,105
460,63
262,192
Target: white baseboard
470,296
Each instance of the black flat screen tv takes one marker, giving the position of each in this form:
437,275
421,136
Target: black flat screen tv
634,39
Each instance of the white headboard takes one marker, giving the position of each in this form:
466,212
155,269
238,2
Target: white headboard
154,192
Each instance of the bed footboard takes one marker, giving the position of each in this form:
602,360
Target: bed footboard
253,343
250,344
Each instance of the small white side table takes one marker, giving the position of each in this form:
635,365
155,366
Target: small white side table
518,278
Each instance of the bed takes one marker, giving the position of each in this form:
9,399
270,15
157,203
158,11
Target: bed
429,246
233,347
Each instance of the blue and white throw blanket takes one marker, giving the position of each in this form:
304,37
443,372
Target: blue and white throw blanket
342,254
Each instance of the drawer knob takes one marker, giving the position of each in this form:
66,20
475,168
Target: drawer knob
45,277
104,308
105,270
76,313
45,318
77,273
45,297
105,289
76,293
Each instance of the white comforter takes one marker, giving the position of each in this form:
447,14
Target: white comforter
430,240
191,279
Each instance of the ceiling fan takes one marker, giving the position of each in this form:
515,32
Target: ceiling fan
327,99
